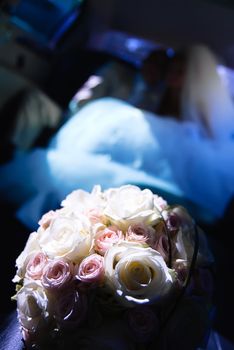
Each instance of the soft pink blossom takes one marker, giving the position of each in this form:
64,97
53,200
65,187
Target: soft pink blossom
139,233
91,269
35,266
105,238
57,274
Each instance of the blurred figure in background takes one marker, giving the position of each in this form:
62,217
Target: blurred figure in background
170,103
142,88
149,85
206,99
111,143
196,91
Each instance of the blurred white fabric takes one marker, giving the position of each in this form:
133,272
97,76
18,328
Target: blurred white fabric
111,143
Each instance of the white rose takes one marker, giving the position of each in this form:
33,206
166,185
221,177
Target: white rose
32,247
80,201
32,306
137,274
160,202
67,238
129,204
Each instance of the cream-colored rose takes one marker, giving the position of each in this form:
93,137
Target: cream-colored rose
129,204
160,202
68,238
80,201
32,307
32,247
47,218
137,274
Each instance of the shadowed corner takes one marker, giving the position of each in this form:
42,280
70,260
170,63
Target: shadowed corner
15,236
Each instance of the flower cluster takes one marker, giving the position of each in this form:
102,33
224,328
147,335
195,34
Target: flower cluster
112,267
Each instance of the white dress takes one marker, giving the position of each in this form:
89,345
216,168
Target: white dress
206,97
111,143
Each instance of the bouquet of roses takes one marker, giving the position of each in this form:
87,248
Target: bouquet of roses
114,269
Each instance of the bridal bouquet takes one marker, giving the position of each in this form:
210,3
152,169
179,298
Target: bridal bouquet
114,269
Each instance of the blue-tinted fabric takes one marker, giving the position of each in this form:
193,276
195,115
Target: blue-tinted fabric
10,334
111,143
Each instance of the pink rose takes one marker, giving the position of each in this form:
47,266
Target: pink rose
46,219
57,274
105,238
140,233
91,269
143,322
35,266
70,309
